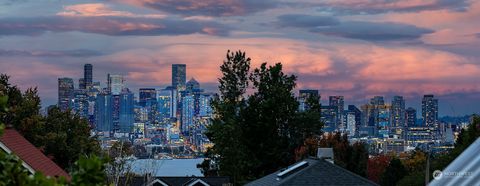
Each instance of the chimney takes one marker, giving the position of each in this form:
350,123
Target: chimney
325,154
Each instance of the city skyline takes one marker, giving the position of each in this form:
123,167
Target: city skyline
353,49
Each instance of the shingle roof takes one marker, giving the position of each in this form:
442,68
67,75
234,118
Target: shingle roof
318,172
29,154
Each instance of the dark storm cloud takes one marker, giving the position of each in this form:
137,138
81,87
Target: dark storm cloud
372,31
305,21
115,26
207,7
56,53
385,6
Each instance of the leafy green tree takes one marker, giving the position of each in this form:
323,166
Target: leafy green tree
89,171
394,172
62,135
226,128
67,137
270,120
258,135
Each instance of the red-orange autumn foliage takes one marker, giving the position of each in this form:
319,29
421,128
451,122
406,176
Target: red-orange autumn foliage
376,166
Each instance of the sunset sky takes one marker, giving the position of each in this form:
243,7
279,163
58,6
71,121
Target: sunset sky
354,48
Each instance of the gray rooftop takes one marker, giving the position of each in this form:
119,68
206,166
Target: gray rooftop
318,172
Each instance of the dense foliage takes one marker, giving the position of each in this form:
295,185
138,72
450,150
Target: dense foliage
62,135
87,170
258,135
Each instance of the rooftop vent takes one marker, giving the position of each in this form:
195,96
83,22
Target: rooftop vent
326,154
292,169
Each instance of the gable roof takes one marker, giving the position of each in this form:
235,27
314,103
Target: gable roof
318,172
34,160
174,181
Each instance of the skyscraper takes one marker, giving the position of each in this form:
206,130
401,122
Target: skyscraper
103,112
429,111
81,103
303,97
411,117
398,112
127,115
87,76
115,83
179,73
65,93
192,84
148,100
146,95
164,103
338,103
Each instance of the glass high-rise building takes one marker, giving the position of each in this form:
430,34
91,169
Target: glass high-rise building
104,112
65,93
115,83
411,117
188,111
338,103
398,112
164,102
179,75
192,84
126,113
87,76
429,111
147,95
81,103
148,99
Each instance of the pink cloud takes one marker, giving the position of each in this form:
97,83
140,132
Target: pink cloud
100,9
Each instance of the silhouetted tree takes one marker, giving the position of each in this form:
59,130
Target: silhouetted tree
394,172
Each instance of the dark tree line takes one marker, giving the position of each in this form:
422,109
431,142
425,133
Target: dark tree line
260,134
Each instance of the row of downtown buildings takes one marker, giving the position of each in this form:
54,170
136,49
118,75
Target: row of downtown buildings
162,115
182,111
386,127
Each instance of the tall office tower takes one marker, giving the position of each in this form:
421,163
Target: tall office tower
179,73
411,117
116,112
174,100
103,112
126,114
187,113
303,98
358,116
192,84
377,100
87,76
147,95
115,83
398,112
81,83
337,102
164,102
81,103
429,111
148,99
328,117
205,108
350,123
65,93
